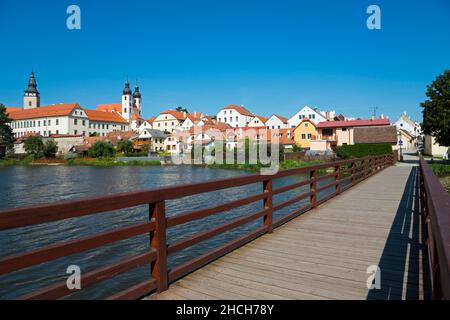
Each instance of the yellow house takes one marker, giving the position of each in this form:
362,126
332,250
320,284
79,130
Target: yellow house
304,133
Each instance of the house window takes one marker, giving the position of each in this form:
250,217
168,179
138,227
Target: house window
75,132
309,135
303,136
45,122
29,103
125,98
57,121
344,129
57,131
306,125
237,118
231,119
84,122
49,122
39,123
75,121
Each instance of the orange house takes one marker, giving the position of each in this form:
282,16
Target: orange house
304,133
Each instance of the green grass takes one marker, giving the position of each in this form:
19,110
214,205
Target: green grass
109,162
15,162
289,164
440,169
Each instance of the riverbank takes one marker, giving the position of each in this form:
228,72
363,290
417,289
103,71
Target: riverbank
289,164
97,162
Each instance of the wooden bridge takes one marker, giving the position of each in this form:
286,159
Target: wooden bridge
384,217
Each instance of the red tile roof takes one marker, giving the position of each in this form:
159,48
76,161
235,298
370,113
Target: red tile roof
353,123
176,114
136,117
263,119
151,120
54,110
117,107
284,119
106,116
239,109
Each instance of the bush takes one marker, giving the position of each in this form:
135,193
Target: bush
363,150
125,146
101,149
34,147
136,154
50,148
440,169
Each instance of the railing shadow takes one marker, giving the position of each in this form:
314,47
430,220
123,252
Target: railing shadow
404,264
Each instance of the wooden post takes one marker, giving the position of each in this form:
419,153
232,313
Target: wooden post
158,243
353,172
313,187
268,218
337,178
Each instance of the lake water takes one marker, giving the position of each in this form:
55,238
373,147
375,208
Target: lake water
46,184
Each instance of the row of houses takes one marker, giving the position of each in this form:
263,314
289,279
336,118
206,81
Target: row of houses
176,131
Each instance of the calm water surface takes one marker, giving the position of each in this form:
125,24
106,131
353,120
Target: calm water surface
32,185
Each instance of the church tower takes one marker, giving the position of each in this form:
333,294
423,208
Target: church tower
137,100
31,98
127,101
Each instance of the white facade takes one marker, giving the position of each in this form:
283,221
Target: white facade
405,123
306,112
432,148
235,116
76,122
257,122
275,122
167,122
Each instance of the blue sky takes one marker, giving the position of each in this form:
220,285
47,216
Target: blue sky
270,56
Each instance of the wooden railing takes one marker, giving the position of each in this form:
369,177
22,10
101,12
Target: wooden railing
435,203
345,174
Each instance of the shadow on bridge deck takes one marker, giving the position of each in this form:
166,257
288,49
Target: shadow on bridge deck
404,257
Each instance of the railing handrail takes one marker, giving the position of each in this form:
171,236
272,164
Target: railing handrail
30,215
355,170
436,207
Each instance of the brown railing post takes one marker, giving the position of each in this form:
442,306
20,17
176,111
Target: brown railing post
337,178
158,243
313,187
353,172
268,218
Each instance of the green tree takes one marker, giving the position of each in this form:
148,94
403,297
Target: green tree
50,148
34,146
436,109
101,149
6,132
181,109
125,146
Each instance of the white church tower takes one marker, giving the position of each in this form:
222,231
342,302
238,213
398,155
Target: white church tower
31,98
137,100
127,102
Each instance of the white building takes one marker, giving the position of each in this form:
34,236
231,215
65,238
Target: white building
235,116
169,120
405,123
432,148
71,118
313,114
258,121
277,122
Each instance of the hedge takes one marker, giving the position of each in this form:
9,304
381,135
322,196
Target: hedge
363,150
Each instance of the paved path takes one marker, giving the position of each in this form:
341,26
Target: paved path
325,253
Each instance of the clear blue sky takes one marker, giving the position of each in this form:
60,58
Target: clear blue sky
270,56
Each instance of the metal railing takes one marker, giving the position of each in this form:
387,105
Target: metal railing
349,171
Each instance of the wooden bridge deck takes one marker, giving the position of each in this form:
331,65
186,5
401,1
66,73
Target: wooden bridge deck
325,253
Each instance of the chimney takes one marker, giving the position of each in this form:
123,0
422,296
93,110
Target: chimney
373,117
382,116
184,114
